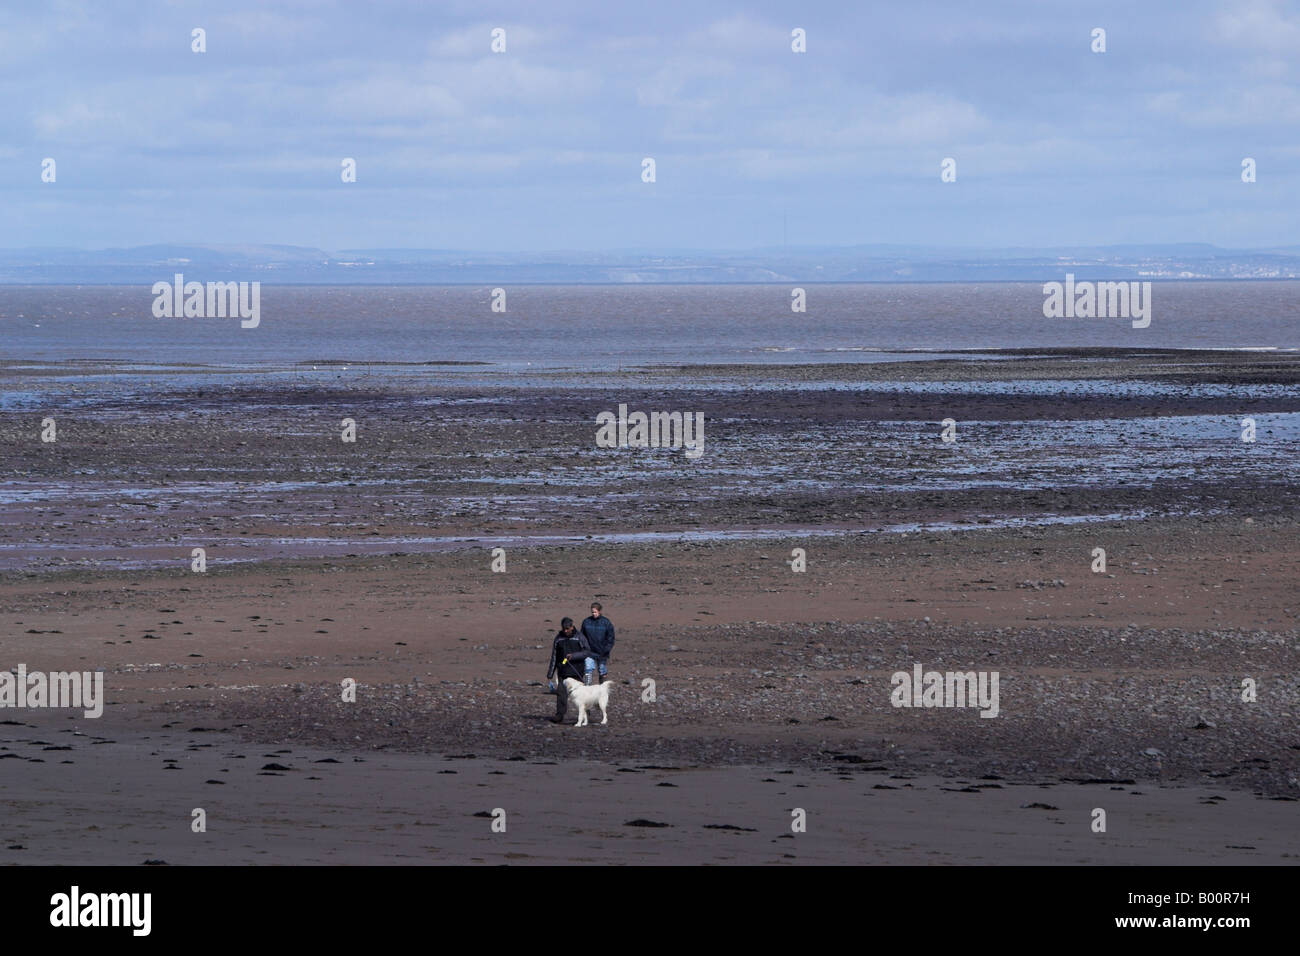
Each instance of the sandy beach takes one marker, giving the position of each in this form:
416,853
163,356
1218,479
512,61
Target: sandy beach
1120,690
340,807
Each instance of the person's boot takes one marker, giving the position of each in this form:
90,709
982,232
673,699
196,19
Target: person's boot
586,678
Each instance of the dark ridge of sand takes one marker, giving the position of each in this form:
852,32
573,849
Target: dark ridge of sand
1180,366
1209,366
364,363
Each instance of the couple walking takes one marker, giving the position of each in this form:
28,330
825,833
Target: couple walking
580,654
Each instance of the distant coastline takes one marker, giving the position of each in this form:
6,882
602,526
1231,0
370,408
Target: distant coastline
296,265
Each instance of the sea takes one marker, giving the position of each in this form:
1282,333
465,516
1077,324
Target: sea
612,326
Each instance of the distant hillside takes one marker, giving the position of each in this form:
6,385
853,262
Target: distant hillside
296,264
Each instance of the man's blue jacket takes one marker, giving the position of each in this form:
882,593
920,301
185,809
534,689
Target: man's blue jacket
599,632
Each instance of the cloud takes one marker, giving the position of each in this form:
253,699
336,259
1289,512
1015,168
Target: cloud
390,96
1236,109
476,41
736,120
1258,25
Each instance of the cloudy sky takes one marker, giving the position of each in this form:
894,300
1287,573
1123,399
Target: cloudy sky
540,148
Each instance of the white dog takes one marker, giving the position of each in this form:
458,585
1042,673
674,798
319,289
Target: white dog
585,696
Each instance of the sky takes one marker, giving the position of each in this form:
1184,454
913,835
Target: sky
540,148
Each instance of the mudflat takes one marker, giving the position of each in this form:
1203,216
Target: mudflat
1161,689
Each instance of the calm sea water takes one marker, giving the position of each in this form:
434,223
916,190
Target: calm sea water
608,326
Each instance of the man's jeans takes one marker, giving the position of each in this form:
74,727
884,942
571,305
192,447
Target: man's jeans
589,665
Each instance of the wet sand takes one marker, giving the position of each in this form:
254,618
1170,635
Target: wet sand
333,807
251,466
1132,676
752,662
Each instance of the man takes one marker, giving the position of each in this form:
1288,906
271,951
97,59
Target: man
599,633
568,652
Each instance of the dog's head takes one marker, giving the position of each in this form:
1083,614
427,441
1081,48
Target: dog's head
572,683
